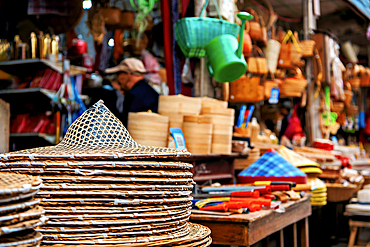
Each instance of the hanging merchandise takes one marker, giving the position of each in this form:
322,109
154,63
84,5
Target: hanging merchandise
225,60
272,86
257,62
143,8
194,33
293,86
272,54
348,94
96,25
290,53
255,30
247,41
246,89
307,47
111,15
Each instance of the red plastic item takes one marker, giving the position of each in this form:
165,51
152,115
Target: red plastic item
260,200
279,187
78,47
266,190
323,145
219,207
251,180
271,150
233,205
245,193
255,207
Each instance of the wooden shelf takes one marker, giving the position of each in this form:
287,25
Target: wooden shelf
31,66
20,141
26,99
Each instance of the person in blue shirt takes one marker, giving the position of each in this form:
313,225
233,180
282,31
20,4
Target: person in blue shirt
138,94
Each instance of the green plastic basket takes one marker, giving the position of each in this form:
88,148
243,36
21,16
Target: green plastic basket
194,33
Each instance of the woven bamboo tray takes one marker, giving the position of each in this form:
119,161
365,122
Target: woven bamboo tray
14,184
110,202
112,235
97,172
13,218
116,210
198,236
24,225
96,164
86,186
18,197
18,206
21,239
114,229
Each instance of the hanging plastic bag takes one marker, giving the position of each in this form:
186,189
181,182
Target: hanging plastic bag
152,67
186,76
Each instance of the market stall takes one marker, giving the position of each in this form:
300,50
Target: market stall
155,113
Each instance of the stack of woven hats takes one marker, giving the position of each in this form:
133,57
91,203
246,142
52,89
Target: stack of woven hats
103,188
19,212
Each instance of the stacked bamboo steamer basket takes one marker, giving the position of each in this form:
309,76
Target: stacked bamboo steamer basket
101,188
178,106
198,134
142,124
20,212
223,122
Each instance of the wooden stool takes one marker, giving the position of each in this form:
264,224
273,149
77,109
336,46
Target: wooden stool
354,225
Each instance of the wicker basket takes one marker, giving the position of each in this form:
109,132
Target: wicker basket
293,86
307,47
337,107
354,81
194,33
351,110
338,192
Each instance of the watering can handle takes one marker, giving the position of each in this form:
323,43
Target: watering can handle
217,9
209,68
243,16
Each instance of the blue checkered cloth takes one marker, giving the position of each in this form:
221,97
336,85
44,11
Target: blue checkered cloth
272,165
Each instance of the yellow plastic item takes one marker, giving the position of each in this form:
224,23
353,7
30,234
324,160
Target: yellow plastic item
311,170
295,158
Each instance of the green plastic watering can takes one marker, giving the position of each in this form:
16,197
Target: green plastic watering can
225,60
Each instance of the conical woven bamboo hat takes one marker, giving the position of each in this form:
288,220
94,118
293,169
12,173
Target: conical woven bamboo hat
96,134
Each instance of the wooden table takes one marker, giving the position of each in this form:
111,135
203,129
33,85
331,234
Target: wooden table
247,229
208,167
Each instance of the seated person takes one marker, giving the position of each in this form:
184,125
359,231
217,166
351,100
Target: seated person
138,94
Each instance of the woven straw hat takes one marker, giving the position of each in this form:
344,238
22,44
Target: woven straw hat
96,134
97,192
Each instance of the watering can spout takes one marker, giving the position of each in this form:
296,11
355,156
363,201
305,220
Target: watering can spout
243,16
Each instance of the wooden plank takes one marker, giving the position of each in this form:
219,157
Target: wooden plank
282,238
227,233
359,223
304,233
295,235
271,223
352,237
4,126
251,217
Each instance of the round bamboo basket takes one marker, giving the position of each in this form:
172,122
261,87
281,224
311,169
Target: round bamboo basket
213,103
142,124
218,111
338,192
198,134
179,104
221,120
222,139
